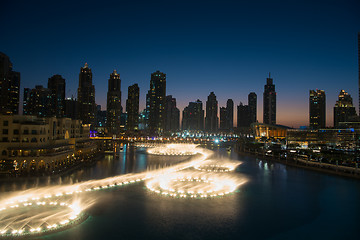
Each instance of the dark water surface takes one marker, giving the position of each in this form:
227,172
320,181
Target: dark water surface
277,202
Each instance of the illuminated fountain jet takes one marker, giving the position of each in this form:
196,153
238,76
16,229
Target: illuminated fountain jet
174,149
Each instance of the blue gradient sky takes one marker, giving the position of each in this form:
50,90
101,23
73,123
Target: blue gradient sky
219,46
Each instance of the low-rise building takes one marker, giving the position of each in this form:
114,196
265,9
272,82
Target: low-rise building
30,143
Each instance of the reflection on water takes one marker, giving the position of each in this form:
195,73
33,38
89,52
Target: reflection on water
130,160
277,202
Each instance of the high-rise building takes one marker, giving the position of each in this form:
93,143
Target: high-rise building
71,108
132,108
157,95
9,87
113,107
37,102
344,111
26,99
269,113
317,109
243,116
230,114
172,113
359,67
56,84
100,121
86,96
193,117
224,124
211,119
252,102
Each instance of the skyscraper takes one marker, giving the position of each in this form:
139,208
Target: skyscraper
211,119
317,108
243,116
252,102
56,85
193,116
132,108
172,122
224,124
113,107
359,67
230,114
9,87
157,95
269,102
86,96
37,102
344,111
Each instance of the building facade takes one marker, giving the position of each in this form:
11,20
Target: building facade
193,117
29,143
230,115
156,96
86,96
211,119
9,87
57,86
113,107
38,102
132,108
317,109
269,98
243,116
344,111
172,121
252,102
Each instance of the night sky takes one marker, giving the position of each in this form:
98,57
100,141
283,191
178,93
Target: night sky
228,47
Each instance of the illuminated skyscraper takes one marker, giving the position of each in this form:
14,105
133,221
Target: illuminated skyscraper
113,107
252,102
359,66
211,119
156,96
132,108
37,102
344,111
317,109
56,85
9,87
86,96
269,102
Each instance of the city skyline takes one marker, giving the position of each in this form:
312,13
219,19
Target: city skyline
230,54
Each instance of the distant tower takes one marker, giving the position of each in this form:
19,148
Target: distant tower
317,108
9,87
224,119
37,102
172,122
230,114
269,102
344,111
359,67
193,116
211,119
56,84
243,116
156,96
113,108
132,108
86,96
252,102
